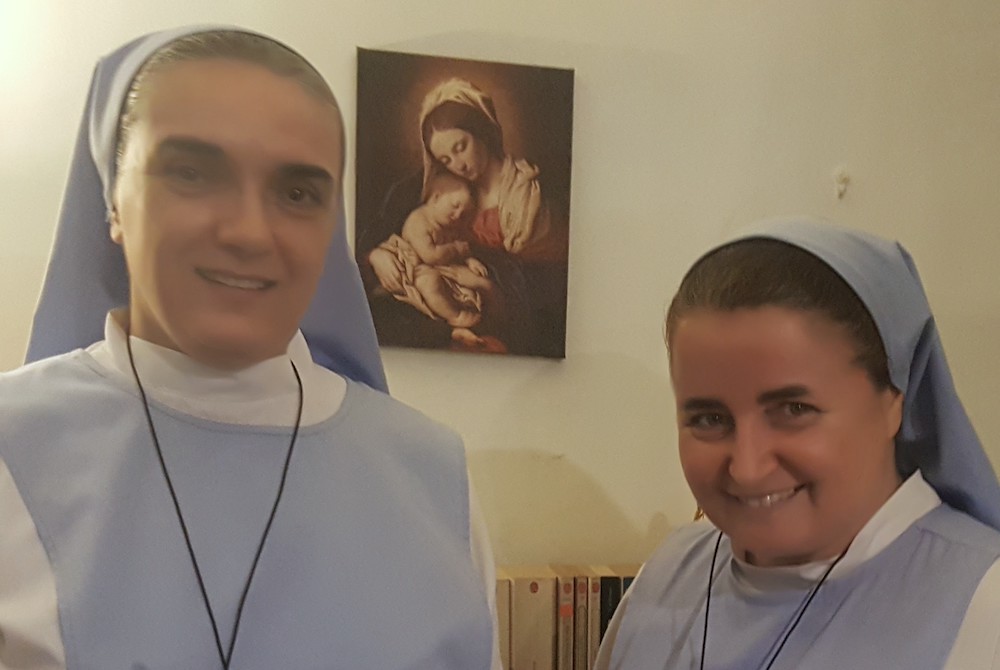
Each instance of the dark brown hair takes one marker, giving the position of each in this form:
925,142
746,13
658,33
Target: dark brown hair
231,44
760,272
451,114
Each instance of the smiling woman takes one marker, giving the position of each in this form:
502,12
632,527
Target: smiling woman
224,207
852,515
224,467
780,413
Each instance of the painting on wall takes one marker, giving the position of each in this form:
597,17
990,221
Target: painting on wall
462,211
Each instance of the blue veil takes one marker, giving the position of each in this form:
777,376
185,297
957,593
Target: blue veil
936,435
87,277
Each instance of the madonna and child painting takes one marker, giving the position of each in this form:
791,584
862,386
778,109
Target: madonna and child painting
463,183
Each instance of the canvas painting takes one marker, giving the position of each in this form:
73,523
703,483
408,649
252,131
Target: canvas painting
462,211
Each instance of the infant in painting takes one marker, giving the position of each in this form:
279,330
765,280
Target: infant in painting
454,292
429,265
435,229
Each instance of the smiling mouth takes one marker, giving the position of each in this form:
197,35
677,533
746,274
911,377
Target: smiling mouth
235,281
769,499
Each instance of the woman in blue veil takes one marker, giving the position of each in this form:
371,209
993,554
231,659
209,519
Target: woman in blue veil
852,514
200,465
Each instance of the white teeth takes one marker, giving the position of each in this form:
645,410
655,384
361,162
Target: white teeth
768,500
242,283
236,282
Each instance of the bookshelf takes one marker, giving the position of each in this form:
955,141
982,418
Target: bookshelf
553,617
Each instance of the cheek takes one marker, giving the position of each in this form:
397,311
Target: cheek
699,463
306,251
138,232
163,219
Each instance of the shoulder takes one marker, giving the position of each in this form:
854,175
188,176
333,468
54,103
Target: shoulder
685,553
947,524
413,454
524,168
377,416
56,379
415,222
39,368
688,540
54,398
518,170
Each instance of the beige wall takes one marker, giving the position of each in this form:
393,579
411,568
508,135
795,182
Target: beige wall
692,118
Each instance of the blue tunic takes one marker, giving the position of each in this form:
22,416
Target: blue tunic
902,608
368,563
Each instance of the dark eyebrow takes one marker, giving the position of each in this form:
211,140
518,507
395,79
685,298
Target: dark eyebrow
198,147
766,398
702,405
191,146
784,393
306,171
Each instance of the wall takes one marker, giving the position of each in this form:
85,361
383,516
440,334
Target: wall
692,118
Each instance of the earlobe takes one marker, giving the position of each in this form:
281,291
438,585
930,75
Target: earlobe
114,226
894,412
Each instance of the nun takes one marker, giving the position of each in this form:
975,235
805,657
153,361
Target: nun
851,514
200,466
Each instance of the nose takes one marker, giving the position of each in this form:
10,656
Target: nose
752,459
245,227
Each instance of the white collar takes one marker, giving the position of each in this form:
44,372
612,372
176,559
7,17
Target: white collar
264,394
912,500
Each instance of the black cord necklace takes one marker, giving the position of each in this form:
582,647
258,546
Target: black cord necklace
789,628
224,656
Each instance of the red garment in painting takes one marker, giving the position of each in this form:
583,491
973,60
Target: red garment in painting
486,228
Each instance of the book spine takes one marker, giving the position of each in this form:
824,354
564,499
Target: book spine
594,616
611,594
503,619
533,623
564,626
581,625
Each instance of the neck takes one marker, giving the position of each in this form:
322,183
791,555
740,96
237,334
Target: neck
489,181
221,359
256,395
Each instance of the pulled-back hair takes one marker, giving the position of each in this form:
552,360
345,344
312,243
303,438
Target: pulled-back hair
227,44
760,272
451,114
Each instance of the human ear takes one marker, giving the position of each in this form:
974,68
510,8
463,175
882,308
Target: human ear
115,226
894,411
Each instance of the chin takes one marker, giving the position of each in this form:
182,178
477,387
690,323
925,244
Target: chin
777,550
228,350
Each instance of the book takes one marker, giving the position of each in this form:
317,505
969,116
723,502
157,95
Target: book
610,584
503,617
627,571
557,615
533,618
586,619
565,615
